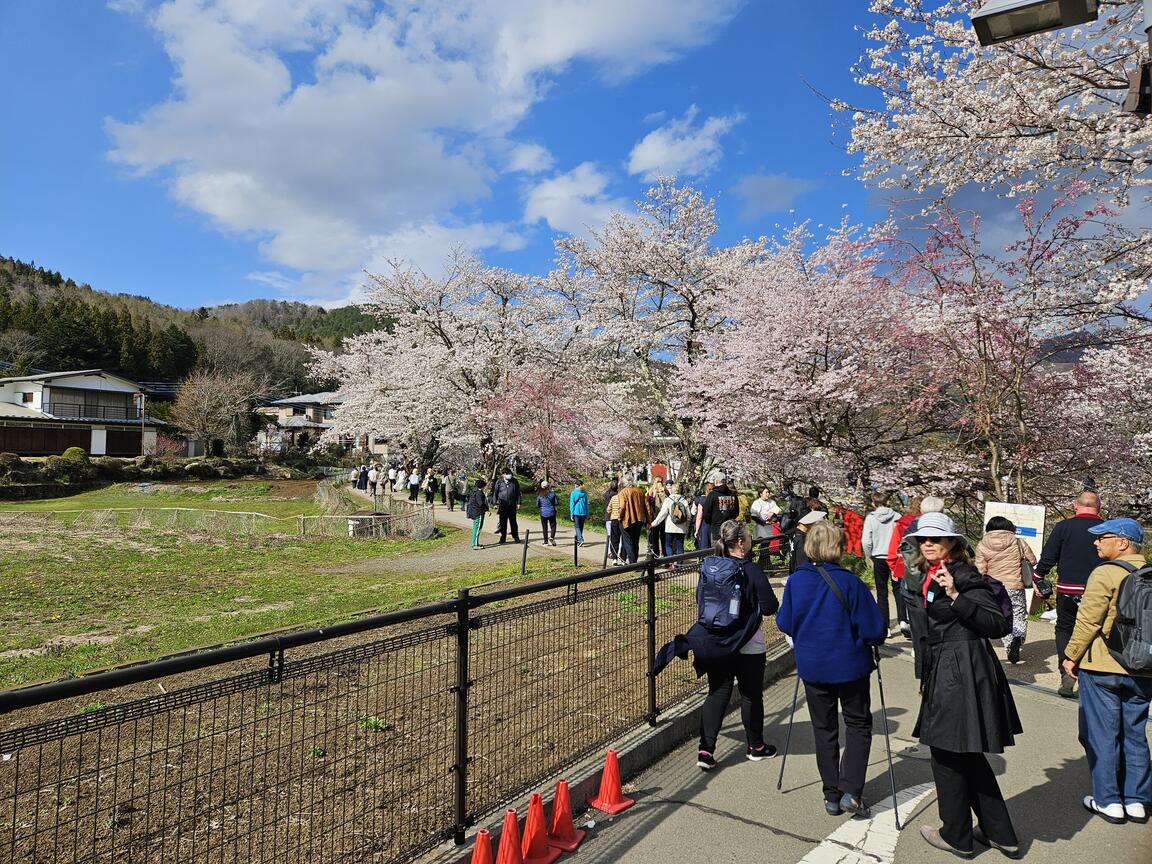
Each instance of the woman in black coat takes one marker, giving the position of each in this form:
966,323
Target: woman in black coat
966,709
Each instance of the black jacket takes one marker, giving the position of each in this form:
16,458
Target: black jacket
1070,550
506,492
966,705
709,647
477,504
720,506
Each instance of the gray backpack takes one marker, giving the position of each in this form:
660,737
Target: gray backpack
1130,642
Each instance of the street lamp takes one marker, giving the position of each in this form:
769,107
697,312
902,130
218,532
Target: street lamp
1001,20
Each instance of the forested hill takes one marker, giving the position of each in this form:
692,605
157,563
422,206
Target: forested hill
50,322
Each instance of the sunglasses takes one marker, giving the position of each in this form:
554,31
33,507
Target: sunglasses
922,540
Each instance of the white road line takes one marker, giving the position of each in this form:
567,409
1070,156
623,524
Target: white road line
873,840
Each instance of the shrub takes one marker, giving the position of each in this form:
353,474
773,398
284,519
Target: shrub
74,455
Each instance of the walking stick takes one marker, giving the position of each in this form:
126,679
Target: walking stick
887,741
788,738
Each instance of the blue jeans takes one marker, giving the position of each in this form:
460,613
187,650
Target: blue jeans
1113,720
673,544
578,521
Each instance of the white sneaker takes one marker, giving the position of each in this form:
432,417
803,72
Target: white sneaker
1113,813
1136,811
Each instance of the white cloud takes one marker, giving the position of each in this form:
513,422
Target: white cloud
529,159
679,148
326,129
573,202
770,193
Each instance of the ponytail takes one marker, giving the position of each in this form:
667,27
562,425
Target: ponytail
731,532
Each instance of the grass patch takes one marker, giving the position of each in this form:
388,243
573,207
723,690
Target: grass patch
90,599
272,498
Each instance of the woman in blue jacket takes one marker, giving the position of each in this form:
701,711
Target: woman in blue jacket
546,501
578,509
832,637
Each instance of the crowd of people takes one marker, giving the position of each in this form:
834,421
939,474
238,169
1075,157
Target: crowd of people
951,598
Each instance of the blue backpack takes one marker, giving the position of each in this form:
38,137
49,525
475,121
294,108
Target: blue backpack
723,600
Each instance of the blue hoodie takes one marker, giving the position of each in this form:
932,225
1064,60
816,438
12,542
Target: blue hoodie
830,647
578,502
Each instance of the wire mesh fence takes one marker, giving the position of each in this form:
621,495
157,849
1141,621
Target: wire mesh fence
372,740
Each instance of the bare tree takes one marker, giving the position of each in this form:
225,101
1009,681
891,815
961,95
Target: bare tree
218,406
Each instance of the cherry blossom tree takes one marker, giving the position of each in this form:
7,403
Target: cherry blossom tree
820,372
648,291
1023,114
1009,328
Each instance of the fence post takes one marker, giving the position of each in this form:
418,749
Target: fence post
524,557
575,553
650,622
460,766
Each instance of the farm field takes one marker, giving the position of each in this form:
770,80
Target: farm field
78,597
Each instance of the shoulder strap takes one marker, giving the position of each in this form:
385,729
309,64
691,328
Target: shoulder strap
1131,568
835,588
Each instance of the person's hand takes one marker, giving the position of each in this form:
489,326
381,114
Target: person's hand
946,581
1069,668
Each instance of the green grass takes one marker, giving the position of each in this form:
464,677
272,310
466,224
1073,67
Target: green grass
102,597
292,498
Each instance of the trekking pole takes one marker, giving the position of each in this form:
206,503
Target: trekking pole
887,741
788,737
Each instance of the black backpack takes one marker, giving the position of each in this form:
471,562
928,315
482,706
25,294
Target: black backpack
722,597
1130,641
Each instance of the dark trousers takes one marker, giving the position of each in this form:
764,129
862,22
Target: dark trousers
630,541
747,671
965,785
855,701
1066,608
507,514
656,539
917,623
614,533
545,523
882,575
413,491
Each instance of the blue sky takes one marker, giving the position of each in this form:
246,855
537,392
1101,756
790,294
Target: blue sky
207,151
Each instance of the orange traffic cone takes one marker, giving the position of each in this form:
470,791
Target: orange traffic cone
510,840
536,849
563,833
611,799
482,850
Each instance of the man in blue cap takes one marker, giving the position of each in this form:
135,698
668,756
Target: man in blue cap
1113,701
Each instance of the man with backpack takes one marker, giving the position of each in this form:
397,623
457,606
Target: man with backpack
1110,653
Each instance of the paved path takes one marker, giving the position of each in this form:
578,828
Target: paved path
735,814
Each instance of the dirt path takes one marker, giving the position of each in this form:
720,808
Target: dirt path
457,553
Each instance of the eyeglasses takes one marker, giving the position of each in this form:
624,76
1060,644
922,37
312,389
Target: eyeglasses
1107,537
922,540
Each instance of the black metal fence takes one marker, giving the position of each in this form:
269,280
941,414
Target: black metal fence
395,736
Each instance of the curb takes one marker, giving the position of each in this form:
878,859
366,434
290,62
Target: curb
637,751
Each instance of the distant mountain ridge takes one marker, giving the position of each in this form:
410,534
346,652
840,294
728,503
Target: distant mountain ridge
49,321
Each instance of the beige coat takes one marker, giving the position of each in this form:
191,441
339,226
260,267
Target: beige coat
998,555
1087,648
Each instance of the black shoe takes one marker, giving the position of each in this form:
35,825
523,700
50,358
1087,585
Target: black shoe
704,761
764,751
832,808
1008,851
1067,687
1014,650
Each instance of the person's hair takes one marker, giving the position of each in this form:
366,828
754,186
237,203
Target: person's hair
931,504
914,506
1088,500
578,483
626,482
1000,523
731,532
709,486
764,489
480,484
813,491
815,504
673,488
880,499
957,551
614,485
825,543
